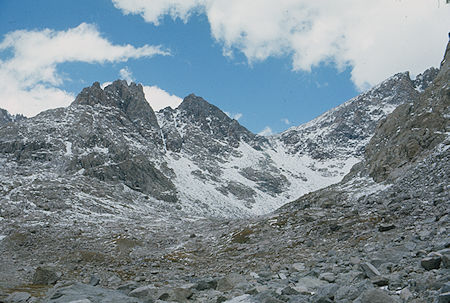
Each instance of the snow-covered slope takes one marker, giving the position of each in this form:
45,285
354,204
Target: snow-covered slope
334,141
192,159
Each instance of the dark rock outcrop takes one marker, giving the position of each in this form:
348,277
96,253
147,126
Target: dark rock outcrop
412,130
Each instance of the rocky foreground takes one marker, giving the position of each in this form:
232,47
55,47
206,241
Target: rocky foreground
379,236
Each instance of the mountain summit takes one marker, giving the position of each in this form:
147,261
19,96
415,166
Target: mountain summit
128,98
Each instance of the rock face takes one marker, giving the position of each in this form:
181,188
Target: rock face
413,129
6,117
128,98
104,134
344,131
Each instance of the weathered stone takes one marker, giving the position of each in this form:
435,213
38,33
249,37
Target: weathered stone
289,291
380,281
431,262
445,287
444,297
145,292
128,287
229,282
369,270
18,297
206,284
94,280
81,292
352,291
177,294
385,227
239,299
45,275
406,295
376,296
445,253
266,297
308,285
326,293
328,276
299,267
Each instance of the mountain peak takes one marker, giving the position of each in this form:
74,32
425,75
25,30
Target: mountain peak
128,98
197,105
6,117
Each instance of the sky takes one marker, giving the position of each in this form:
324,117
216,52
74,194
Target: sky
270,64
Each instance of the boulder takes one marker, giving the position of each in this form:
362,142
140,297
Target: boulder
230,281
83,293
385,227
370,270
45,275
431,262
376,296
206,284
444,297
145,292
18,297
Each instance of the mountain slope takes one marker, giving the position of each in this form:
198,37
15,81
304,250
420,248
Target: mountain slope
372,233
195,155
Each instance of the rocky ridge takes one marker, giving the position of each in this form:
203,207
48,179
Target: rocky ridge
195,155
6,117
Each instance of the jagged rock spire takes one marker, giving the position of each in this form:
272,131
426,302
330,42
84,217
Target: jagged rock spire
128,98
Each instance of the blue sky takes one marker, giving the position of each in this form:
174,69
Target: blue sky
270,73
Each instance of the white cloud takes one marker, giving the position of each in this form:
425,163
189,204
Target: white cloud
375,38
29,79
159,98
286,121
267,131
235,116
126,74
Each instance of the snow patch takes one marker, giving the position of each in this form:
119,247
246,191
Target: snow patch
68,149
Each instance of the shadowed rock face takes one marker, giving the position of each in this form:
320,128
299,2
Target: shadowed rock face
6,117
128,98
412,129
111,135
213,121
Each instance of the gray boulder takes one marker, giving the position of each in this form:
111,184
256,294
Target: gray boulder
376,296
431,262
78,292
18,297
370,270
230,281
145,292
45,275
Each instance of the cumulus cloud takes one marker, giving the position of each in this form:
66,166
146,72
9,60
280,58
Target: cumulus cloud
29,79
375,38
126,74
235,116
267,131
159,98
286,121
